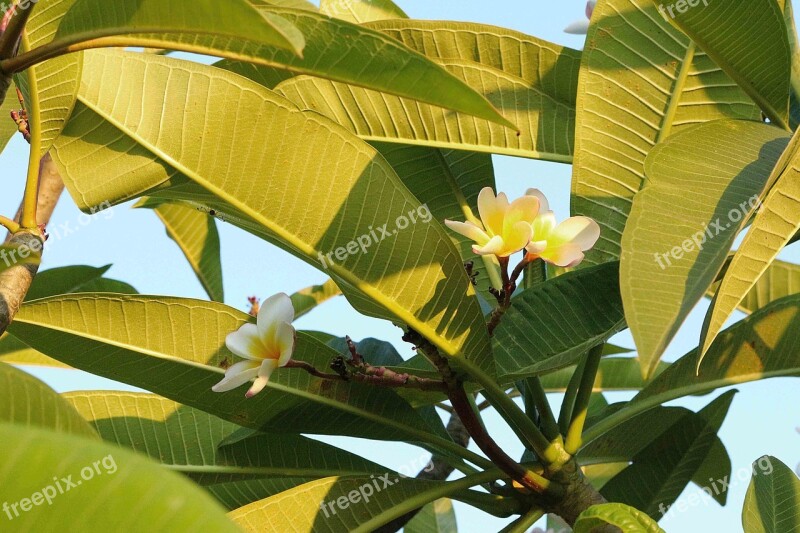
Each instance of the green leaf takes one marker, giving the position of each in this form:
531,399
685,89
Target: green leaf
24,400
427,172
641,80
89,20
530,80
748,39
360,11
781,279
107,480
702,185
759,347
7,126
240,493
776,222
350,53
182,355
627,519
661,470
196,235
529,342
295,4
330,503
264,75
72,279
15,352
427,290
305,300
615,374
772,503
436,517
204,447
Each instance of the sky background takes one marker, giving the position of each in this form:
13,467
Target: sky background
761,421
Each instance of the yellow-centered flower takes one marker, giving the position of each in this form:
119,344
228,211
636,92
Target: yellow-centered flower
265,346
561,244
504,228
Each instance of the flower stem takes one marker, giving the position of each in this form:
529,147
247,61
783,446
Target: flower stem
581,407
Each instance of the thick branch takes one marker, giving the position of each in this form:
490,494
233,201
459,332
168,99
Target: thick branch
15,282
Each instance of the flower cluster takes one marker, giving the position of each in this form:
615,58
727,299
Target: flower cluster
264,346
527,223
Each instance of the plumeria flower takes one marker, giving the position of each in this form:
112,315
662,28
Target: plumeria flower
265,346
560,244
581,27
504,228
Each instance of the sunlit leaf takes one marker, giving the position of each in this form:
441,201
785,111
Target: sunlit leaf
772,503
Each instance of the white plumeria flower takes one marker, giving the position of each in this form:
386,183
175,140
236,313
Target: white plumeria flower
504,228
265,346
563,244
581,27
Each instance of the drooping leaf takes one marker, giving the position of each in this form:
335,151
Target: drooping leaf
264,75
772,503
533,80
665,466
26,401
307,299
197,236
90,485
781,279
627,519
205,447
641,80
181,357
776,222
703,183
749,40
427,290
436,517
328,504
529,342
360,11
90,20
15,352
759,347
72,279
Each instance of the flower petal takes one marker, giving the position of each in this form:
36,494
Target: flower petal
264,372
246,342
275,309
582,231
492,210
523,209
518,238
566,255
544,205
284,342
590,5
237,375
468,230
495,246
579,27
543,226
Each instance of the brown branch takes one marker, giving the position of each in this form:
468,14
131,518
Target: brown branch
11,28
15,281
372,375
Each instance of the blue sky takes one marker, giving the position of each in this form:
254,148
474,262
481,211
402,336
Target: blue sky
760,422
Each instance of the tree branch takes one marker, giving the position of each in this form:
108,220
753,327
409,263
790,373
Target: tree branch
15,281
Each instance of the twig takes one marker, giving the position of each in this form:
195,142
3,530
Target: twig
372,375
